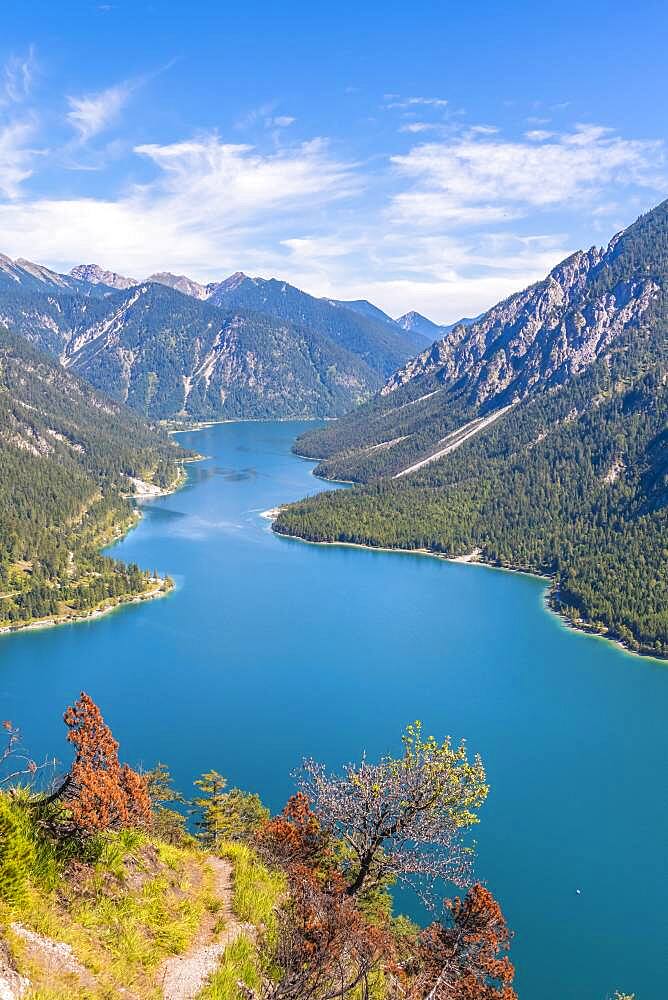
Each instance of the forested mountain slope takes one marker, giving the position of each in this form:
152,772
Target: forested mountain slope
571,481
172,349
170,355
68,458
589,305
357,326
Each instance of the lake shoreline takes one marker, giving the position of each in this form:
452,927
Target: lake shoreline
54,621
120,531
201,425
472,559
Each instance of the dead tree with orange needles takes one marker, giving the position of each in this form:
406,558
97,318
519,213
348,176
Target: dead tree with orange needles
464,957
99,793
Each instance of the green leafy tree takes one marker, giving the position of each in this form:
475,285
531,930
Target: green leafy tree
401,818
226,815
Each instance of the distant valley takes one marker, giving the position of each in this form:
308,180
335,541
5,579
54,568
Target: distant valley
171,348
534,436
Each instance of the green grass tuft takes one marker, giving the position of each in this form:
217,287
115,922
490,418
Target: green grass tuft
239,964
257,891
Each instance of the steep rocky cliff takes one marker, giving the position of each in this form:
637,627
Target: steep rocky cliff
543,335
595,303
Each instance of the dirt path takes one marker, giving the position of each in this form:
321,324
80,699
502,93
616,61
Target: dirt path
183,976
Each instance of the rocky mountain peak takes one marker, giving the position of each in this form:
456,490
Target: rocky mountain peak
417,323
232,283
96,275
552,329
181,283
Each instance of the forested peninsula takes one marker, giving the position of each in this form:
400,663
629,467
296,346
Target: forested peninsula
72,461
571,480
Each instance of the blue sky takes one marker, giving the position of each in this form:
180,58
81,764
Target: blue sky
435,156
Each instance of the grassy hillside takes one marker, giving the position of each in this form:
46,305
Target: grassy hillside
105,893
108,892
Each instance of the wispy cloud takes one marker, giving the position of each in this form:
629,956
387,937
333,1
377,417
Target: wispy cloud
213,179
16,157
17,124
478,180
538,135
263,116
211,205
17,78
282,121
260,114
448,227
91,114
394,101
418,127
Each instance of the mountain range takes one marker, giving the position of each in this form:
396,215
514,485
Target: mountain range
173,349
535,437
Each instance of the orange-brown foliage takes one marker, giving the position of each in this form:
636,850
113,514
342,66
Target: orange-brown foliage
294,837
461,960
326,947
101,794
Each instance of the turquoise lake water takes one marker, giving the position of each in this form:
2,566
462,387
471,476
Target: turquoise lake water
271,649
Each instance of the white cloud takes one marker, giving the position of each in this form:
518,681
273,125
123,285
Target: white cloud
219,183
432,231
16,158
393,101
311,249
439,276
93,113
538,135
211,205
255,115
418,127
443,301
16,155
479,180
444,276
17,78
282,121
